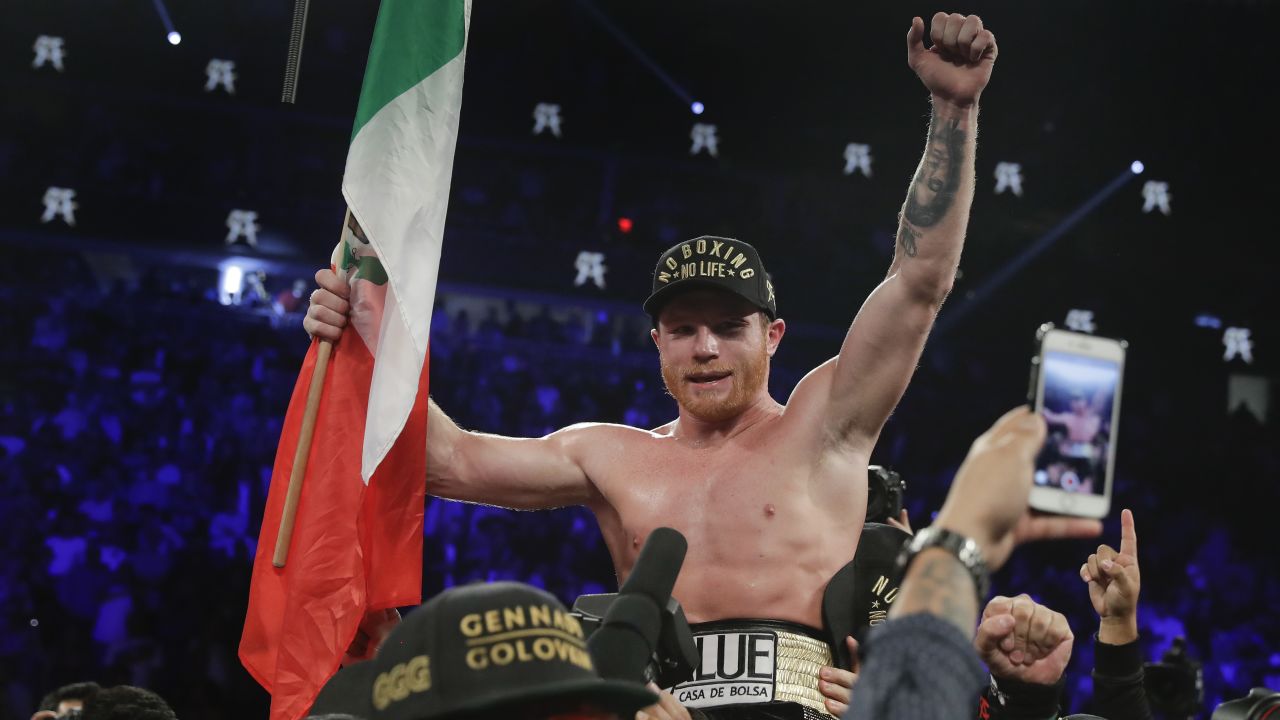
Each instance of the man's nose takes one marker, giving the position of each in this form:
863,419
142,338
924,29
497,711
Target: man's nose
706,347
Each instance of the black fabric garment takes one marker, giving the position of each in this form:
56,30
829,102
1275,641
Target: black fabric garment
1016,700
860,594
918,666
1118,692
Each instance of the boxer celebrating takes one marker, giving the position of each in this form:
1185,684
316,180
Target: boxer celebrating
771,497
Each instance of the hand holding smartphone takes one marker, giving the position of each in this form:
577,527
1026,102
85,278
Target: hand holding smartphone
1075,386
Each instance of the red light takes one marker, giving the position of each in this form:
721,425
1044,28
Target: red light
624,224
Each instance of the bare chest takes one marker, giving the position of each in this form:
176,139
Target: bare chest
768,523
674,480
740,502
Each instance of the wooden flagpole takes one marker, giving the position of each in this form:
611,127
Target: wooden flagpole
303,451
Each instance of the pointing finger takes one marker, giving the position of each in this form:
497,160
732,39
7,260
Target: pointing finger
1128,534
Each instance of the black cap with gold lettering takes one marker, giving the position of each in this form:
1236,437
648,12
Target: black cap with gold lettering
347,692
484,650
710,261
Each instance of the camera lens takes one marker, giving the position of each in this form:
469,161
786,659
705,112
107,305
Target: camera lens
1259,704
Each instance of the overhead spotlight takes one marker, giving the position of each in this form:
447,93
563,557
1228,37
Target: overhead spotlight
175,37
624,224
1136,167
697,107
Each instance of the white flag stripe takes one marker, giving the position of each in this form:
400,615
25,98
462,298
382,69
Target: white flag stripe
397,180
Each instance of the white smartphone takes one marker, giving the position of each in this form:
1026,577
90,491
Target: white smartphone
1075,383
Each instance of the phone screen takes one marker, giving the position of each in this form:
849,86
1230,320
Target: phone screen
1078,403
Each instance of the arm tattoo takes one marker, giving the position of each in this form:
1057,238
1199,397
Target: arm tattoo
907,239
934,187
942,587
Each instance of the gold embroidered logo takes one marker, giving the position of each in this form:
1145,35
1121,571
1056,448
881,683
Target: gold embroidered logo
729,262
879,611
401,681
537,633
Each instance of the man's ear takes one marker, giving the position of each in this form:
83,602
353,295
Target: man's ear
777,328
653,334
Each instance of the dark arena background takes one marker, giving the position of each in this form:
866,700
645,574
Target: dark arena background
151,348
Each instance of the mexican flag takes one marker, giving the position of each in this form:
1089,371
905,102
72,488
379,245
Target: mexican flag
357,539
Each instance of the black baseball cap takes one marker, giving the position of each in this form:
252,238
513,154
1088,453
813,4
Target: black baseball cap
715,262
490,648
347,692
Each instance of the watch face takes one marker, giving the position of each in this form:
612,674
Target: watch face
970,554
965,550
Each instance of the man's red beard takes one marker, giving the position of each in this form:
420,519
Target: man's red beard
745,381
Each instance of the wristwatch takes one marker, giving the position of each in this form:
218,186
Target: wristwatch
965,550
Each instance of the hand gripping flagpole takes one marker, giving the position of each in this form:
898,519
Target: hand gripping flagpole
303,451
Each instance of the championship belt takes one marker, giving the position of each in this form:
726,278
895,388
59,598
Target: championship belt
756,661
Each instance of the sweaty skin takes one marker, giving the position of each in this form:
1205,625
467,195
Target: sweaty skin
771,508
770,497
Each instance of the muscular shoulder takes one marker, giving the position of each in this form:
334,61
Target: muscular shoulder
607,452
587,440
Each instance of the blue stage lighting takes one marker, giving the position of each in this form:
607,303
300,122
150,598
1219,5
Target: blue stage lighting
697,107
1136,167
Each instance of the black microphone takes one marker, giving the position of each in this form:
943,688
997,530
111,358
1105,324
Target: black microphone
623,645
654,574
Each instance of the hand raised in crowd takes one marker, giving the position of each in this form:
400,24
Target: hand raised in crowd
327,314
957,66
1114,583
836,684
667,707
1020,639
988,498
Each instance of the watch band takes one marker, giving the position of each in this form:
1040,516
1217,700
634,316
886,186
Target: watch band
963,548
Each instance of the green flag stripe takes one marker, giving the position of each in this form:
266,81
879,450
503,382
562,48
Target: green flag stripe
412,39
368,267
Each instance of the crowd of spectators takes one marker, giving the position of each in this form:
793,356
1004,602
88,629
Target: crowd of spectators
138,423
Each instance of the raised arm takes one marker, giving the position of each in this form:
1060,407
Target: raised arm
886,338
520,473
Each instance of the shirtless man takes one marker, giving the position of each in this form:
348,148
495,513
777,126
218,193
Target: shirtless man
1083,420
771,497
